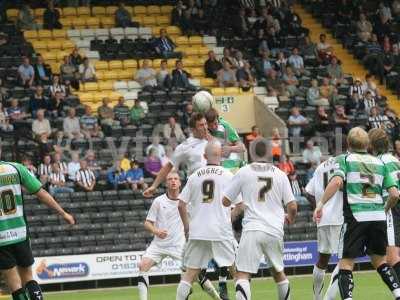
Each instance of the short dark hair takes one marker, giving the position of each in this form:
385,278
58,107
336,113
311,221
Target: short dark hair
379,140
195,118
260,149
211,115
253,127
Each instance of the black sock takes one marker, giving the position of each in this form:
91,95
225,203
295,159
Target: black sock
202,277
396,268
223,273
20,295
346,284
34,291
389,277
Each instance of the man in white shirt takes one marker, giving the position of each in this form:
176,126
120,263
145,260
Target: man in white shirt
266,192
155,144
41,127
213,238
328,228
146,75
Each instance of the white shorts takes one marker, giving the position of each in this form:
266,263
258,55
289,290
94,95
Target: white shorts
253,246
328,239
157,253
198,253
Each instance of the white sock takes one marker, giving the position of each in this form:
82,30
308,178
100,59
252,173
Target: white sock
184,290
222,278
143,286
283,290
209,288
318,284
243,291
333,288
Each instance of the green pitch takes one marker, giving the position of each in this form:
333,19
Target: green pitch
368,286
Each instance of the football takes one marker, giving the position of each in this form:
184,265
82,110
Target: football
202,101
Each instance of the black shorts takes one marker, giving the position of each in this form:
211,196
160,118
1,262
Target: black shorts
16,255
393,227
360,238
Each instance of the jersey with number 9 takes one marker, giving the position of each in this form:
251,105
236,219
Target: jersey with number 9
265,191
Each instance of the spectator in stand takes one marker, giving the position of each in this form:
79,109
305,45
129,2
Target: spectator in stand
76,58
185,119
152,164
41,128
341,120
51,17
155,144
382,27
386,64
240,24
245,77
26,73
396,9
323,123
286,165
356,90
201,23
273,40
116,177
326,89
5,120
281,63
297,188
87,72
27,162
364,28
123,17
92,163
293,22
397,149
106,113
73,166
312,154
44,169
180,77
325,50
369,102
394,129
56,108
373,51
335,72
121,112
56,86
165,46
15,112
255,134
227,57
63,166
274,85
377,120
146,76
296,62
369,85
163,77
226,76
291,81
42,71
212,66
276,143
137,113
68,72
192,8
314,97
309,49
135,177
57,181
26,19
38,101
71,125
296,122
85,179
177,14
90,125
172,131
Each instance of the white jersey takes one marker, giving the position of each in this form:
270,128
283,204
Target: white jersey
332,213
210,220
265,191
190,153
165,215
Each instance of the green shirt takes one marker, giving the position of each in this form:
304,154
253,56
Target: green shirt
393,166
137,113
13,176
365,177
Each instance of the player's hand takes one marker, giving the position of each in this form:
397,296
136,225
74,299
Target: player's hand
69,219
161,233
149,192
288,220
226,151
317,215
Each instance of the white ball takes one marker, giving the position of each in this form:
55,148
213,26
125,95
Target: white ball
202,101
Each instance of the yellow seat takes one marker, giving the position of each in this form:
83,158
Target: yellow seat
197,72
59,34
66,22
101,65
107,22
153,10
39,45
125,74
129,9
141,63
191,51
171,62
86,97
61,55
110,10
106,85
98,11
232,91
38,12
114,96
189,62
54,45
173,30
78,23
55,67
68,45
69,12
250,91
149,21
50,56
157,62
195,40
203,51
182,41
129,64
163,20
111,75
94,106
155,30
166,9
98,97
131,71
12,14
139,10
115,64
92,22
83,11
218,91
207,82
44,34
100,74
90,86
30,34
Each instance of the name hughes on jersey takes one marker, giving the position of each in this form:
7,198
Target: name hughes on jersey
208,171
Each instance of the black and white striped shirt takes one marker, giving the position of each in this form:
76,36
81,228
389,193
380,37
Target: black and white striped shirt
378,121
59,177
63,167
44,169
86,177
295,187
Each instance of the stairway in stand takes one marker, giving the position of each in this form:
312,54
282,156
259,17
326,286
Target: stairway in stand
350,64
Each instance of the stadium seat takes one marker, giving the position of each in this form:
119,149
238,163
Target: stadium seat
87,34
12,14
30,34
231,91
101,65
67,22
68,45
69,12
49,56
145,32
166,9
79,23
182,41
134,85
38,12
98,11
163,20
83,11
92,22
149,21
110,10
195,40
130,64
173,30
44,34
90,86
126,74
74,33
107,22
139,10
83,44
102,33
39,45
115,64
54,45
153,10
59,34
131,32
111,75
120,86
117,33
107,85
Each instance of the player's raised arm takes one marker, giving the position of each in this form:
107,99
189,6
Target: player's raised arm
159,179
49,201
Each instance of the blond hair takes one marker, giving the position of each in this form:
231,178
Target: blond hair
357,139
379,140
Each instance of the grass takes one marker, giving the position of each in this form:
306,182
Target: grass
368,285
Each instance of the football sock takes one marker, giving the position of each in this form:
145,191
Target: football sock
223,275
333,288
389,277
283,290
143,286
209,288
243,290
34,291
20,295
396,268
183,291
346,284
318,282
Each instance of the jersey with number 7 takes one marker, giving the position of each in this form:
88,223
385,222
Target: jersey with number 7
265,190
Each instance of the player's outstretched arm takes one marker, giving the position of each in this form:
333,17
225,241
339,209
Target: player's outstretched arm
182,207
393,198
333,186
159,179
49,201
